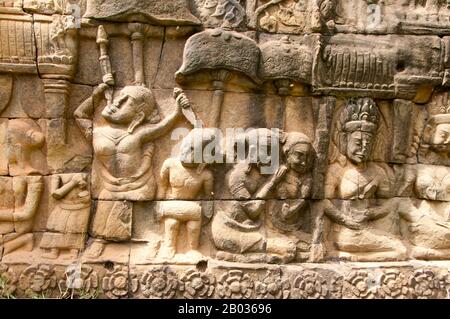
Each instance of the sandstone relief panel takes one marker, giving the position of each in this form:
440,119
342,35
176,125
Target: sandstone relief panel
225,149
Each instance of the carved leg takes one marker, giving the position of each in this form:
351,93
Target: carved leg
73,254
96,249
51,254
286,249
423,253
25,241
367,245
381,256
193,233
171,228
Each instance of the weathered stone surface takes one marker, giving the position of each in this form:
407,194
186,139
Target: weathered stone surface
215,13
224,149
170,12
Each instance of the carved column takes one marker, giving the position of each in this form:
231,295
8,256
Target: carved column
56,90
284,87
219,78
57,68
138,36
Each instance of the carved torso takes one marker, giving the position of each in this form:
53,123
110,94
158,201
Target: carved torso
352,183
185,183
118,150
123,166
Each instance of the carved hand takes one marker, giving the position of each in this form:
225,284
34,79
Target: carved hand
285,210
279,175
183,102
360,216
100,89
79,180
352,224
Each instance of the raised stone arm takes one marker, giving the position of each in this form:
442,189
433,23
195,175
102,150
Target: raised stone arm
84,113
150,133
265,190
86,109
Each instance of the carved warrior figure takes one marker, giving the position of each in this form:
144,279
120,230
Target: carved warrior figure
122,169
16,221
237,227
361,184
68,222
182,181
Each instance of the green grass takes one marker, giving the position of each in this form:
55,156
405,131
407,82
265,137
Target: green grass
4,294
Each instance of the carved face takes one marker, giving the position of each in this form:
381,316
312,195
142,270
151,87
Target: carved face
35,138
187,156
359,147
122,111
441,138
299,158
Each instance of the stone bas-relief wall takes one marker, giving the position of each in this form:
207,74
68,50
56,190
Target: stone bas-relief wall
104,104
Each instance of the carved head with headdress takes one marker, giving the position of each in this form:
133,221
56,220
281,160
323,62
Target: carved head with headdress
298,152
134,106
358,126
437,131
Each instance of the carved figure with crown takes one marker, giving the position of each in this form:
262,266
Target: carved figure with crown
365,190
435,146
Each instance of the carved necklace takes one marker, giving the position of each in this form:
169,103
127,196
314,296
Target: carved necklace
116,140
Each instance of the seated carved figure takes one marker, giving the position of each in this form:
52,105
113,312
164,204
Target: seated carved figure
16,221
427,231
425,221
237,227
183,179
123,152
364,188
289,217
